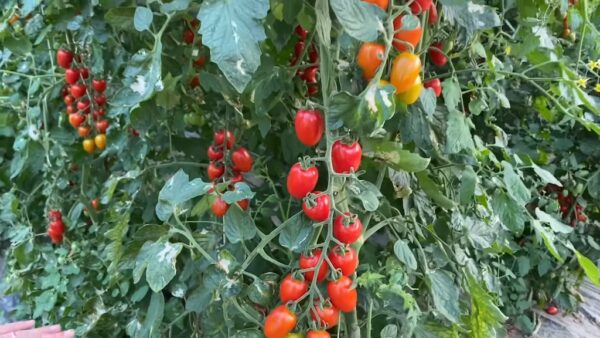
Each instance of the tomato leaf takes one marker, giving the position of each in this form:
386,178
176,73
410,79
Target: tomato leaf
511,214
154,315
199,299
458,135
177,190
445,294
556,225
242,191
120,17
468,182
238,225
174,5
404,254
361,20
469,15
593,186
545,175
590,268
158,260
433,191
393,154
142,18
366,192
515,186
297,232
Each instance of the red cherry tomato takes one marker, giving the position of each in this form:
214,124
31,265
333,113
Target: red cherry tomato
342,295
215,170
57,226
195,81
552,310
318,334
242,160
310,74
70,109
54,214
101,126
438,58
280,322
346,158
223,134
64,58
344,259
100,100
55,237
313,54
420,6
71,76
404,37
85,73
237,178
78,90
200,61
327,316
84,106
383,4
244,204
312,89
433,15
291,289
301,32
68,99
214,154
309,125
310,261
369,58
188,36
318,209
301,181
76,120
219,207
436,85
99,85
95,203
347,228
298,48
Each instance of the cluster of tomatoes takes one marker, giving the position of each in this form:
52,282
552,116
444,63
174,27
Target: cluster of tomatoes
56,227
79,103
189,37
566,201
239,161
347,229
309,74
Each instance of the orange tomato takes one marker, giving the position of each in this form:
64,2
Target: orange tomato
405,70
383,4
412,94
100,141
83,131
404,37
369,58
88,145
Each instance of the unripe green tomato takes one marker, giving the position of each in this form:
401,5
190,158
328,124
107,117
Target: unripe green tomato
294,335
194,119
61,260
579,189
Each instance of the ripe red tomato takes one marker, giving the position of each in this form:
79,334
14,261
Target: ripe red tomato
404,37
57,226
99,112
280,322
101,126
242,160
369,58
438,58
84,131
244,204
301,181
342,295
433,15
552,310
383,4
436,85
346,158
405,70
64,58
309,125
237,178
214,154
419,6
100,100
310,74
78,90
310,261
344,259
298,48
71,76
319,208
219,207
54,214
84,106
95,204
85,73
70,109
318,334
68,99
195,81
215,170
76,120
55,237
188,36
223,134
99,85
291,289
200,61
312,89
301,32
313,54
347,228
327,316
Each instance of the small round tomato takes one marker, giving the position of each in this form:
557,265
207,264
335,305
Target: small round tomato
433,15
318,334
219,207
405,37
64,58
95,203
84,131
76,119
405,70
342,295
99,85
100,100
344,259
71,76
280,322
188,36
298,48
435,85
369,58
317,206
309,125
68,99
100,141
195,81
237,178
78,90
345,158
412,94
327,316
302,181
310,74
312,89
54,214
84,106
70,109
243,204
552,310
89,146
313,54
347,228
215,170
436,55
383,4
85,73
57,226
101,126
310,261
242,160
301,32
420,6
291,289
55,237
223,134
214,154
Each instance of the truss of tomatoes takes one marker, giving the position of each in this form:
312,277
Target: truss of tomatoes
56,226
566,201
80,101
309,73
313,267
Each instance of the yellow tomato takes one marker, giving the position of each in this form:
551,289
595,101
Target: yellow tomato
405,70
100,141
412,94
88,145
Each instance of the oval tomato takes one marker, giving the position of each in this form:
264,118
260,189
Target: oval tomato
54,214
215,170
310,74
433,15
405,37
420,6
68,100
55,237
412,94
101,126
89,146
301,32
317,208
347,228
369,58
76,119
312,89
327,316
291,289
346,158
298,48
100,99
219,207
99,85
214,154
78,90
188,36
71,76
405,70
244,204
436,55
436,85
95,203
241,159
342,295
318,334
100,141
552,310
223,134
57,226
70,109
344,259
313,54
64,58
310,261
309,125
383,4
302,181
280,322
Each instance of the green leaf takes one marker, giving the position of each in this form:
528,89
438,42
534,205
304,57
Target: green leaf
389,331
469,15
168,98
590,268
393,154
547,237
232,30
366,192
238,225
154,316
177,190
510,213
445,294
556,225
142,19
377,105
434,192
361,21
115,249
451,93
343,111
241,192
296,234
468,183
120,17
515,186
261,291
458,135
545,175
593,186
484,317
404,254
174,5
199,299
158,259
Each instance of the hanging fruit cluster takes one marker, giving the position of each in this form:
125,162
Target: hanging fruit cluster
309,73
226,166
566,201
56,227
79,101
198,54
